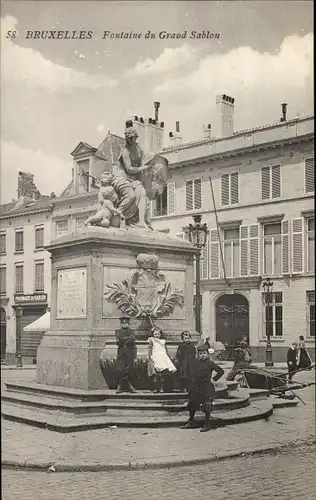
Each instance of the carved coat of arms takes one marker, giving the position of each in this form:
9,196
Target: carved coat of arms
147,293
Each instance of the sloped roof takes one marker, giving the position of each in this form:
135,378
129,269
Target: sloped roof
110,148
26,205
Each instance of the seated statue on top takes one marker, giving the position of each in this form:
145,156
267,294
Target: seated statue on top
136,180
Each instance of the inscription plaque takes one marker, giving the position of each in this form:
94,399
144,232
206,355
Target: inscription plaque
72,293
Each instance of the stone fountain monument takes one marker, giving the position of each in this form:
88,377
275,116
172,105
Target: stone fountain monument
116,264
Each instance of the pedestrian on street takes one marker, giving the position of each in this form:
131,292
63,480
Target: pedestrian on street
159,362
126,355
242,359
185,361
304,359
291,359
202,392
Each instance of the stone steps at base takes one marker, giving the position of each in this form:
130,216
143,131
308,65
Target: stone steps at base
114,406
101,394
257,410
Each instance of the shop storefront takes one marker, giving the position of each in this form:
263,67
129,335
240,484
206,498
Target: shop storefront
33,306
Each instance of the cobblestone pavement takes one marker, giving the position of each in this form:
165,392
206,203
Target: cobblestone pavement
285,476
24,443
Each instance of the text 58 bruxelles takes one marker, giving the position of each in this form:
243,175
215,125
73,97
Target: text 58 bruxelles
110,35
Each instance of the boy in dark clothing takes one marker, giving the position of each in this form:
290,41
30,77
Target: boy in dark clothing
202,392
126,355
291,359
185,361
242,359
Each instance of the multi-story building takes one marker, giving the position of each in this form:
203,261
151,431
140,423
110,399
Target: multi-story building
255,191
25,228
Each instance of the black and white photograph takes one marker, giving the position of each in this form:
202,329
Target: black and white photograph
157,250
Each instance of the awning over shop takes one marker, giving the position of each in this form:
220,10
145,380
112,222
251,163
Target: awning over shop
41,324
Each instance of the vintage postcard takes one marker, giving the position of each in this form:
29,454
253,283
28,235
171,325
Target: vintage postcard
157,250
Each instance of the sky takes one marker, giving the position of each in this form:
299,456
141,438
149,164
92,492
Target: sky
56,92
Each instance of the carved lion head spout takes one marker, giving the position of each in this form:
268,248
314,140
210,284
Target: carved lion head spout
147,261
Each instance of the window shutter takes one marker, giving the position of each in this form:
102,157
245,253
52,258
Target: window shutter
205,257
285,247
265,183
309,175
225,189
189,195
244,250
39,277
234,188
214,249
297,246
276,181
171,191
254,249
198,194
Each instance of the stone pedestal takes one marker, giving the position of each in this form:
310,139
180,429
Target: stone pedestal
83,321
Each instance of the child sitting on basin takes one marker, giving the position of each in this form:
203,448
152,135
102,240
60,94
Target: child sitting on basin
202,392
159,362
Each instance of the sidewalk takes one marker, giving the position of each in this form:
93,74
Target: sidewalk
121,448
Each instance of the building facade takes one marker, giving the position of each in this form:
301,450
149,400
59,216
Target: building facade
25,229
255,191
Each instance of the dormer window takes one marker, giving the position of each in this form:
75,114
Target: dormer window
83,171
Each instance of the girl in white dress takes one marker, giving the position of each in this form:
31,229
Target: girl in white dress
159,362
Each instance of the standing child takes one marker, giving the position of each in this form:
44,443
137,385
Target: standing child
304,359
159,362
291,359
202,392
186,357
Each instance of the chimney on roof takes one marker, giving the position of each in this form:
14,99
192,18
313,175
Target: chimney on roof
224,123
207,131
26,186
156,106
284,109
150,132
175,137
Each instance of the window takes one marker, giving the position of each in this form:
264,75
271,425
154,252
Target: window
39,277
193,194
229,189
271,182
273,313
310,314
3,280
310,245
39,237
309,175
61,227
19,240
3,243
83,170
272,248
19,278
231,252
160,204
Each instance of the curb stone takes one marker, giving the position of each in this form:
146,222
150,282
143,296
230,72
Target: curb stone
151,463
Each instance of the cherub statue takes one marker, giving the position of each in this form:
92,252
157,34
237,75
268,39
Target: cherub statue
105,208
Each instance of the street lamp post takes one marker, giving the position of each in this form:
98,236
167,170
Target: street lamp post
18,335
197,233
267,286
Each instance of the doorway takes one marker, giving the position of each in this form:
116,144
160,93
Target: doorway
232,320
